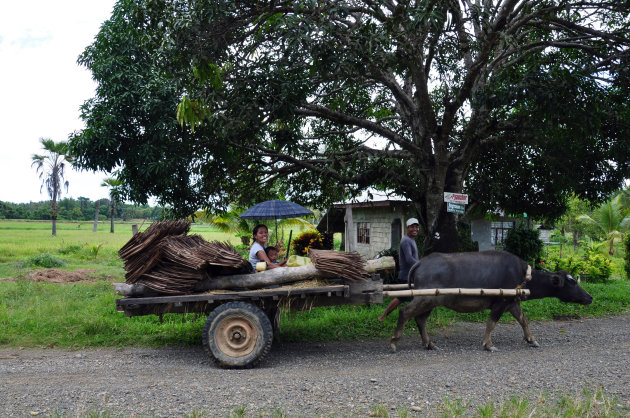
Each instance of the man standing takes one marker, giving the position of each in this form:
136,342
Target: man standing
407,257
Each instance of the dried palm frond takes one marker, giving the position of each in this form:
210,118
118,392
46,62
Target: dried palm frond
167,260
347,265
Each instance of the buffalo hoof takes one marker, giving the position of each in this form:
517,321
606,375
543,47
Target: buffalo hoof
432,346
491,349
534,344
392,347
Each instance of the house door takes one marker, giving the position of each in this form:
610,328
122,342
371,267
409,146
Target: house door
396,233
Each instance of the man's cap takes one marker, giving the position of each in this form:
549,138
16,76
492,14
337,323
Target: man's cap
412,221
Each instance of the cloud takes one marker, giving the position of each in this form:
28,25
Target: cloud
32,40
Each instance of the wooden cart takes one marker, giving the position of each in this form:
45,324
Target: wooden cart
240,326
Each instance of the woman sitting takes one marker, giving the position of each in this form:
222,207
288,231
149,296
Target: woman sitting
257,251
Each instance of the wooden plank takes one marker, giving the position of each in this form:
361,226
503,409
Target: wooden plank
456,291
237,295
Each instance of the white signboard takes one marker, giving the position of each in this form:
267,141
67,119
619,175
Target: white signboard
455,208
456,198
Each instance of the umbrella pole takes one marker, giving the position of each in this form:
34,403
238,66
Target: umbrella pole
289,244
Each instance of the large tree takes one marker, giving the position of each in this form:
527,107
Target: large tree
518,103
51,166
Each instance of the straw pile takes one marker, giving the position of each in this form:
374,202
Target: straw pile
348,265
165,259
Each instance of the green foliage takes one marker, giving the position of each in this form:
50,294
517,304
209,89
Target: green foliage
609,219
597,268
70,249
627,256
93,249
44,260
592,267
70,209
572,264
524,242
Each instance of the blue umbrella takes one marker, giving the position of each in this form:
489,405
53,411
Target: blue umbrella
275,209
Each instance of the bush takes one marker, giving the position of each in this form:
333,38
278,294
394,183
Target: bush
70,249
597,268
44,260
627,257
525,243
594,268
311,238
572,264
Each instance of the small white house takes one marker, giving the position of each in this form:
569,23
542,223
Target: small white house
368,227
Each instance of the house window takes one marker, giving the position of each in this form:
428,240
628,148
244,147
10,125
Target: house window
363,233
498,231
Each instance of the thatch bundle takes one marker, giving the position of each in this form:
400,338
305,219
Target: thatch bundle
141,254
165,259
347,265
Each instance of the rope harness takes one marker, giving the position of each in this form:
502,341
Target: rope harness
528,277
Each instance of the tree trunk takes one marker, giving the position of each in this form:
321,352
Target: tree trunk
439,225
98,207
113,208
53,215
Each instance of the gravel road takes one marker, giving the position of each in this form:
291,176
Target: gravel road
330,379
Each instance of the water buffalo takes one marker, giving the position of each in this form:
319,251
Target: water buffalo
486,269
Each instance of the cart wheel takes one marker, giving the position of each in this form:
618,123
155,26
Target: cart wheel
237,335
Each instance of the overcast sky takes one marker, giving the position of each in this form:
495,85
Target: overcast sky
42,88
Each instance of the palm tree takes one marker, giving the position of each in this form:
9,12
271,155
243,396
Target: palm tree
609,219
50,167
114,193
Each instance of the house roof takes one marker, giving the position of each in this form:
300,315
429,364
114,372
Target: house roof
372,198
333,219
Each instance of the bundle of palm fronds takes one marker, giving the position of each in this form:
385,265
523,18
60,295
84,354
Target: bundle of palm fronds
347,265
196,253
141,252
154,233
167,260
172,278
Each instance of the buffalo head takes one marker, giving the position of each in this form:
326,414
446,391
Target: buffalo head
567,289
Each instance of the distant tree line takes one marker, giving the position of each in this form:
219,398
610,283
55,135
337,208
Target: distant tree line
81,209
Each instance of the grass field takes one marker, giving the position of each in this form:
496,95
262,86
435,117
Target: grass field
76,315
75,244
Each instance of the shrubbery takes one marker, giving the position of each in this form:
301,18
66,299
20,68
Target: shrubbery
592,267
44,260
525,243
